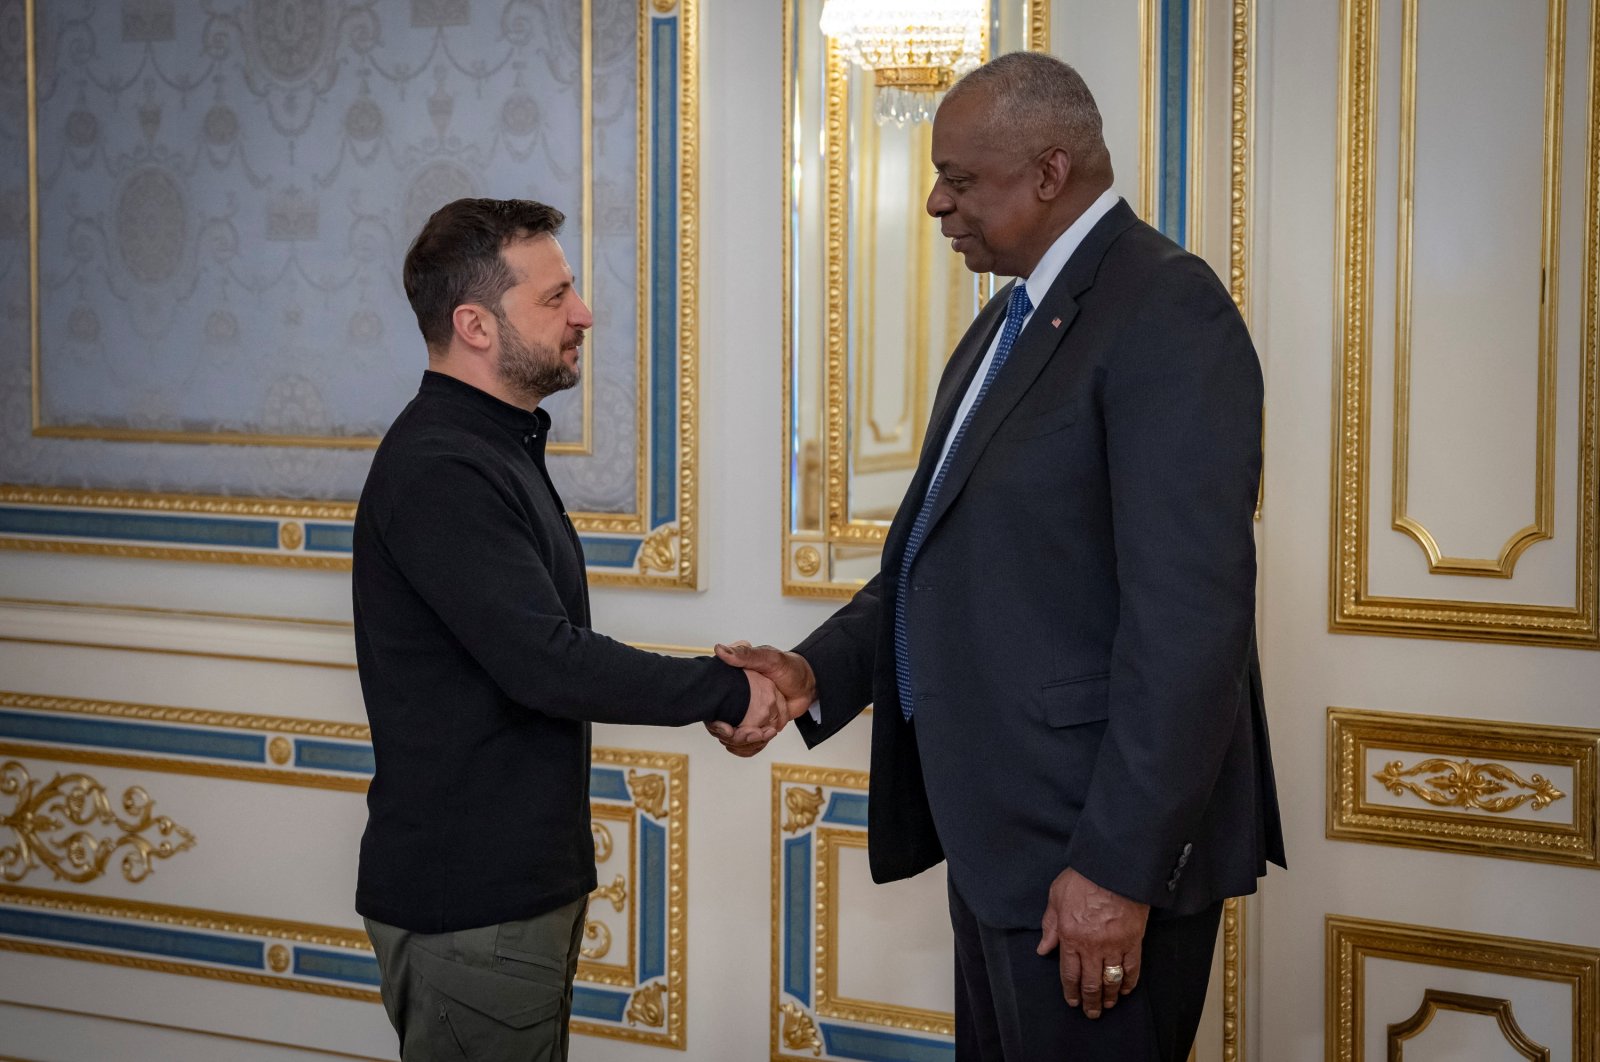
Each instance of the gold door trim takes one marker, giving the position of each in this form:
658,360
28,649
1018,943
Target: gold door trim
1543,526
1353,607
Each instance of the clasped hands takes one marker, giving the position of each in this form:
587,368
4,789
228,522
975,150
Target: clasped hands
782,688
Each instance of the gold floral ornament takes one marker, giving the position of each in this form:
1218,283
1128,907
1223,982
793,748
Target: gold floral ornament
649,792
598,938
646,1006
616,892
656,553
1464,784
43,817
803,805
602,841
799,1031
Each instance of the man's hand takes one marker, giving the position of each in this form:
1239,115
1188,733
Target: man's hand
1095,929
761,722
796,688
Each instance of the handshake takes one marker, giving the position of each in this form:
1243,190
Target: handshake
782,688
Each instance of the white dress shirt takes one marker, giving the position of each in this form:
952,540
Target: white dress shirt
1038,284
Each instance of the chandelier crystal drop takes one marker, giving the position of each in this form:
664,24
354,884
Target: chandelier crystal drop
915,49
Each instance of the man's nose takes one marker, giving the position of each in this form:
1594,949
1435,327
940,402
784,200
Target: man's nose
581,317
938,202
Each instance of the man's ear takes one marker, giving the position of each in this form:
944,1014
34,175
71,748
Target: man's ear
475,326
1055,172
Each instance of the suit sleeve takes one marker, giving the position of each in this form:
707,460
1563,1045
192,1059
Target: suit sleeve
842,654
1182,407
491,587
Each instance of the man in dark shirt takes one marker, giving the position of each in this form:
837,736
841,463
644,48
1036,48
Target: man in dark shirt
479,669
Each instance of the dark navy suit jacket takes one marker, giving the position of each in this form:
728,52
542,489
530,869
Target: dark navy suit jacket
1081,612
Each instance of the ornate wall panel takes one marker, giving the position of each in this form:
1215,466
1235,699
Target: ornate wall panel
1509,790
1468,366
218,202
1397,989
818,815
108,856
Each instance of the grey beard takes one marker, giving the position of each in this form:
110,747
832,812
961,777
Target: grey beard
530,370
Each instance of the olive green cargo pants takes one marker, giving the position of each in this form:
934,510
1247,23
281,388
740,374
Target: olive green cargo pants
500,993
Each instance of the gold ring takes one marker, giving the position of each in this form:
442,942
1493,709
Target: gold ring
1111,975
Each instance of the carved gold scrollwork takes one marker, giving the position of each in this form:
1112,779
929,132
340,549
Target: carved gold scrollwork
602,841
646,1006
80,856
616,892
803,805
656,553
1464,784
600,940
799,1031
278,958
649,792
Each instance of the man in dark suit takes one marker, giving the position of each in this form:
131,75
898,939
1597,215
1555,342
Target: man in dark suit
1060,642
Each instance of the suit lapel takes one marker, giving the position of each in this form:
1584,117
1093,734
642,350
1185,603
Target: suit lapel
953,385
1029,355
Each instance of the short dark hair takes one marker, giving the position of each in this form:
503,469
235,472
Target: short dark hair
1042,102
456,259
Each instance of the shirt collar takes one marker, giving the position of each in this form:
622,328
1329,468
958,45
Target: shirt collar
508,416
1055,259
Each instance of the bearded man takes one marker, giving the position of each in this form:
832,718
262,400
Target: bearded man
479,669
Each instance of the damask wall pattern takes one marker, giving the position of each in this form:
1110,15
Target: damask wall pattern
225,194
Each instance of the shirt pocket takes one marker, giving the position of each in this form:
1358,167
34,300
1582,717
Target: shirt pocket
1075,701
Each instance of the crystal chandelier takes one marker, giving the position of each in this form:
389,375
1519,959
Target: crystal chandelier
915,49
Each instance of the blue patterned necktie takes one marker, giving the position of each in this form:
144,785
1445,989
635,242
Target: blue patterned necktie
1017,309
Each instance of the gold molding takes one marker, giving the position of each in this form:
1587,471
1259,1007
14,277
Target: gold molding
186,1030
189,716
208,504
1195,178
1149,108
1350,942
1235,927
77,800
622,973
671,1031
1353,608
1352,816
1543,526
793,1025
829,1003
1038,25
1435,1000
